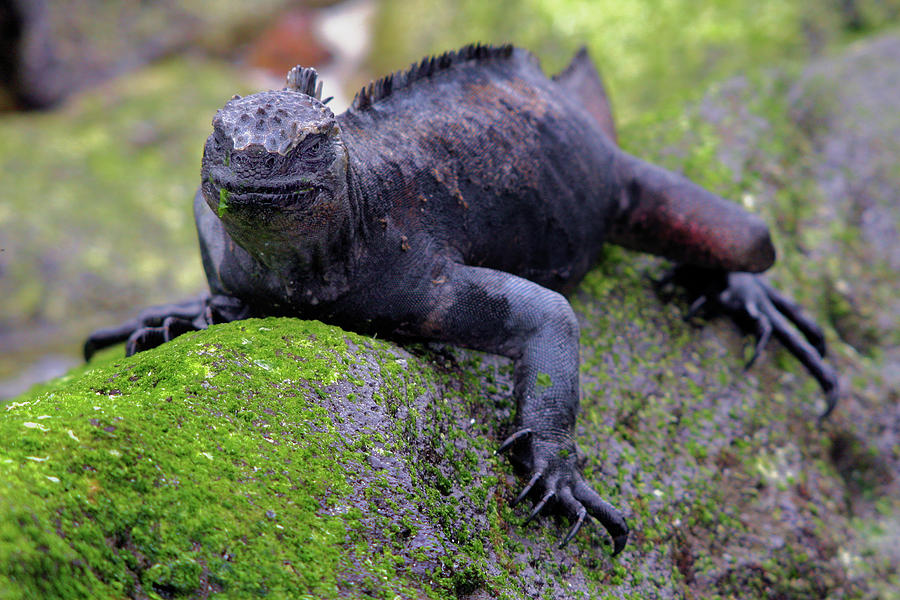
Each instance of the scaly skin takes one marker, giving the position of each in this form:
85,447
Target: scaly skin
459,202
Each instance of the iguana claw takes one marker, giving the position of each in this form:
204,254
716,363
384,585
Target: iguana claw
619,543
539,506
580,501
579,521
160,324
508,442
524,493
608,516
154,324
554,475
749,300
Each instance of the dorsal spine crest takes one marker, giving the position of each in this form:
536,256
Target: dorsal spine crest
304,80
428,66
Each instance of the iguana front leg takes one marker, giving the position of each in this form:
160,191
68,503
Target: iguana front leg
500,313
159,324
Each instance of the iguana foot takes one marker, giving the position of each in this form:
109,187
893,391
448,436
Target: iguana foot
160,324
555,480
749,300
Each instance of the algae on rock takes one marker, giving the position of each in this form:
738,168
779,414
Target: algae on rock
265,457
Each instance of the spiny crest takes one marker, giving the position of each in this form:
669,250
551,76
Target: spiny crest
304,80
385,86
580,57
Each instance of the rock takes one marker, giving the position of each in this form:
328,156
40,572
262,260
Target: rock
53,49
845,105
267,456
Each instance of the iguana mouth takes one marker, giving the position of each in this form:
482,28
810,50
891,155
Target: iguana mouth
276,189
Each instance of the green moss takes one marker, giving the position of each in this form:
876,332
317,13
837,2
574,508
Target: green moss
201,462
209,463
179,577
543,380
649,422
223,202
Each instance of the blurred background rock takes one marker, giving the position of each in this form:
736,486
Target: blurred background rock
106,106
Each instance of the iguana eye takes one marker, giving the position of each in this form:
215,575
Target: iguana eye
314,148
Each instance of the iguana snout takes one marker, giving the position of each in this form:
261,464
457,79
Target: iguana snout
277,149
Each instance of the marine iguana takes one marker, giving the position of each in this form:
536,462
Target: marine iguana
459,201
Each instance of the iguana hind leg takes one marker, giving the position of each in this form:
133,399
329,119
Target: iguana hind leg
721,246
751,302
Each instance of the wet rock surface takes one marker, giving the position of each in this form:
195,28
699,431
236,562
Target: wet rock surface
822,500
854,128
731,485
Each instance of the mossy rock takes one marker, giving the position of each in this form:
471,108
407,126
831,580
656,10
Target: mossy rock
283,458
271,458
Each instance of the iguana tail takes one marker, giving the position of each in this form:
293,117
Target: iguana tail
666,214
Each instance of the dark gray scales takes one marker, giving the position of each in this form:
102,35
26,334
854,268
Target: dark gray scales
458,201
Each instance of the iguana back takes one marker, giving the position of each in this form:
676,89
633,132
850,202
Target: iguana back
493,162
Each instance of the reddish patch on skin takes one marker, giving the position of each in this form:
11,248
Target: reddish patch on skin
676,218
720,238
528,99
494,106
405,208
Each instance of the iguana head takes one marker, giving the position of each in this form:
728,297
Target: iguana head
275,167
